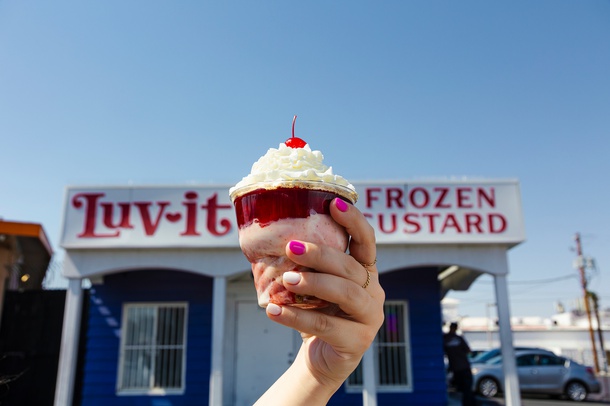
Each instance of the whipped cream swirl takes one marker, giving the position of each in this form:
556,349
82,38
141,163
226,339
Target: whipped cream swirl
291,164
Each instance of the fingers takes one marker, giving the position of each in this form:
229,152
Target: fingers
331,261
326,259
362,244
351,297
342,279
362,248
343,334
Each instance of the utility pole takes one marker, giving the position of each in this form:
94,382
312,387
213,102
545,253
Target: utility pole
600,335
583,283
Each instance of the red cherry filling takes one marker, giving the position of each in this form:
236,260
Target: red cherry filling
295,142
268,205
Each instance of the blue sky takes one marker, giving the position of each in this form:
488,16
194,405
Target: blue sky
157,92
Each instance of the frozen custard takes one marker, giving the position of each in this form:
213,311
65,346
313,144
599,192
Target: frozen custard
287,196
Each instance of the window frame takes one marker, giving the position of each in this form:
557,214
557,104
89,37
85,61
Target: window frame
152,391
408,387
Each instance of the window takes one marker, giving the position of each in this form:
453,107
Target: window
526,360
153,348
392,350
549,360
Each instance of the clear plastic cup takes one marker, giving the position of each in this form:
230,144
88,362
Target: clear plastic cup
269,215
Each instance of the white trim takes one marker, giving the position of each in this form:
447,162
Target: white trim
369,378
509,366
207,262
68,354
218,337
483,258
448,272
232,262
151,392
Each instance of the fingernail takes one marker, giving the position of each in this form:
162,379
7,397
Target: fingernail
273,309
341,205
292,278
296,247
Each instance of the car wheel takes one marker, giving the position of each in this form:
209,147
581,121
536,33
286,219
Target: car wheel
488,387
576,391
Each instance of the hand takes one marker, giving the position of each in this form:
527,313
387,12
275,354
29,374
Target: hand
334,339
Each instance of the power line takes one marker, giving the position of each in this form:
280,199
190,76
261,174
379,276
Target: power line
528,282
550,280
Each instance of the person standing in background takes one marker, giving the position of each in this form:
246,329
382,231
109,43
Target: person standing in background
456,349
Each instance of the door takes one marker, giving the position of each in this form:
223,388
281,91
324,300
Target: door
551,373
264,350
527,371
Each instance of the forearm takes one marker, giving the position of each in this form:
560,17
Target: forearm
298,387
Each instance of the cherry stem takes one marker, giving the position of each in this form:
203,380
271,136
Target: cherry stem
293,121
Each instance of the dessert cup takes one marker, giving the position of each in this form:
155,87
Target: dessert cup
271,214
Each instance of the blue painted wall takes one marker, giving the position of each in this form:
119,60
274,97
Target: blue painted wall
102,338
421,289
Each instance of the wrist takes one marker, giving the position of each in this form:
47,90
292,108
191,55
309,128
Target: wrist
299,386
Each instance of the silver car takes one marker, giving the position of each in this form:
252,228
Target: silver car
484,356
539,371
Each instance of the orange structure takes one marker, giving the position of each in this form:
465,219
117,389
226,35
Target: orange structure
25,253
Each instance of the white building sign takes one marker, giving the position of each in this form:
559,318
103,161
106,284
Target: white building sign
444,212
203,216
149,217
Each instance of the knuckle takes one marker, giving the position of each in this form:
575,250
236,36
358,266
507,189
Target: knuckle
321,324
353,290
351,270
316,254
292,318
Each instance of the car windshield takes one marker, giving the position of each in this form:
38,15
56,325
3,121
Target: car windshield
485,356
494,360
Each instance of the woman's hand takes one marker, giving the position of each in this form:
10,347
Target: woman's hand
334,339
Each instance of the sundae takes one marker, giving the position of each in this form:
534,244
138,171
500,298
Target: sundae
287,196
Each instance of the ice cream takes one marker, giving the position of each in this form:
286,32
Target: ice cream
286,196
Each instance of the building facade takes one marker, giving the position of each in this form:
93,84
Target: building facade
171,316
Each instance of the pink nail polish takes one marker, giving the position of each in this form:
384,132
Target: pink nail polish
296,247
341,205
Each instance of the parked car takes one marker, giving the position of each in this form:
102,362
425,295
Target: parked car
539,371
482,356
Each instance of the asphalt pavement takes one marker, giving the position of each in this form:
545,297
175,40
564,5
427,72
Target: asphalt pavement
602,398
455,399
527,400
593,400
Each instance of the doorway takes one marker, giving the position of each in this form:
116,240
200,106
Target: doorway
263,351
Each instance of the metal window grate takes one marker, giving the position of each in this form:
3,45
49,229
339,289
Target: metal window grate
391,346
153,347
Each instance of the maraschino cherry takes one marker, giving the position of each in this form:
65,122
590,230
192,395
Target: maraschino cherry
295,142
